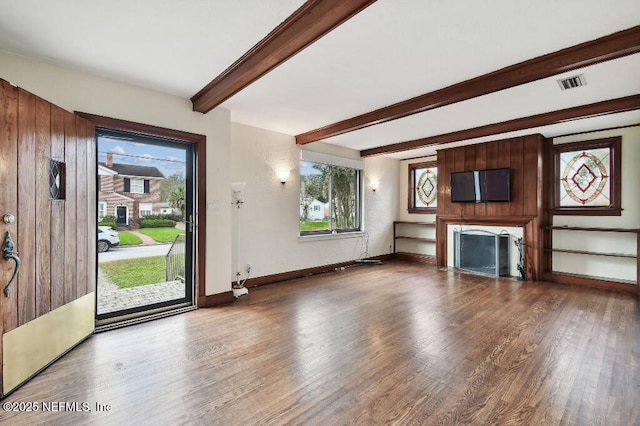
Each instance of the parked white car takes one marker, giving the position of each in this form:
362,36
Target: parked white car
107,238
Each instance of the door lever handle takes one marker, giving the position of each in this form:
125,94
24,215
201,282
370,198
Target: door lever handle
9,253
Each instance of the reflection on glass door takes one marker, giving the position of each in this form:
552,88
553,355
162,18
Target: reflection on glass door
145,235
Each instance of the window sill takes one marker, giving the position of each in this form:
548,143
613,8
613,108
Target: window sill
322,237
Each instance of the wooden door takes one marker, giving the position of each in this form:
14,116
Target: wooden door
47,176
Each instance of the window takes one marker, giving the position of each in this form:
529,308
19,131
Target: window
146,209
136,186
102,210
56,180
329,198
423,187
587,177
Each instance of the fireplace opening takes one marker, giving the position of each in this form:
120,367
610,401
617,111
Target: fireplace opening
482,252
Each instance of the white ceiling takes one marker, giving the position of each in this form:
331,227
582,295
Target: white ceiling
391,51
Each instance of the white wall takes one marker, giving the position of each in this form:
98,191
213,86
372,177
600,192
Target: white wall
620,268
78,91
269,218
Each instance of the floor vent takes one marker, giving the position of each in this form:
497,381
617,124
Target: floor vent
572,82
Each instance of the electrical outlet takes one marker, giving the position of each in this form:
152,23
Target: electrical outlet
248,268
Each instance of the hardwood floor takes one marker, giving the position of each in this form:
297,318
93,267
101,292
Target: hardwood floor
401,343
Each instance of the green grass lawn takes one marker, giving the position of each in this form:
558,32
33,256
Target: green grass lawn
162,235
313,226
128,239
135,272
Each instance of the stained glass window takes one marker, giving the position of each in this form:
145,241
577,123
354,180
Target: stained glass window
585,178
423,187
56,180
586,175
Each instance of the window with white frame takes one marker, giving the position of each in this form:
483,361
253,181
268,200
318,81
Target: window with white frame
136,186
102,210
332,189
146,209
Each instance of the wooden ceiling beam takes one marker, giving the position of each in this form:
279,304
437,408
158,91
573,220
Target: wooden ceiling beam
606,48
613,106
310,22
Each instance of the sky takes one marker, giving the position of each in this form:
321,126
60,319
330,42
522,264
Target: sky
167,160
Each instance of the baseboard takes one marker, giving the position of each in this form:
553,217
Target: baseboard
413,257
583,280
215,299
299,273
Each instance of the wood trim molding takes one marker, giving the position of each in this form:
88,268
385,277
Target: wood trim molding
582,280
310,22
603,49
612,106
285,276
215,299
200,144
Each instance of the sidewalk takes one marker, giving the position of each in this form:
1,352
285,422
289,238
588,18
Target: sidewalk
146,240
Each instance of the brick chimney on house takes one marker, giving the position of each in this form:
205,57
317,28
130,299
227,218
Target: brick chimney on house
109,162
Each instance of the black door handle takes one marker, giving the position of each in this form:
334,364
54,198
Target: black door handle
8,253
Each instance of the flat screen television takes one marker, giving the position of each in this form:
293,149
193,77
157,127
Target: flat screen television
494,185
479,186
463,187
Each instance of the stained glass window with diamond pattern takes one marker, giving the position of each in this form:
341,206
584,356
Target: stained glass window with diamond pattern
56,180
423,187
585,178
586,175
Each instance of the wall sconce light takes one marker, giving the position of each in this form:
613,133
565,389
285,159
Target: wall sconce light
238,192
283,174
374,185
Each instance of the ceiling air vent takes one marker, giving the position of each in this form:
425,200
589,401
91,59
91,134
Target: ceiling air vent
572,82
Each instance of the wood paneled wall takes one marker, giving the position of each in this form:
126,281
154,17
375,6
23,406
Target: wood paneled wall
523,156
55,239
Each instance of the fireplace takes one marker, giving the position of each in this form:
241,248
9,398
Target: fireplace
482,252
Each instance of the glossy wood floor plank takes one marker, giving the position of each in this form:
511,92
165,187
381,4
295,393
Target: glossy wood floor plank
399,343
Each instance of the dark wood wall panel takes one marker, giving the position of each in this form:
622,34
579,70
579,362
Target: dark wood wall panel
516,165
8,194
523,157
504,160
531,182
92,202
70,209
57,244
25,291
55,239
43,211
81,236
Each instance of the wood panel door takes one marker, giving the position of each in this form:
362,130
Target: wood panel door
47,210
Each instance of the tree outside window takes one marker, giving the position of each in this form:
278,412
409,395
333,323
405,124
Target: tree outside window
329,198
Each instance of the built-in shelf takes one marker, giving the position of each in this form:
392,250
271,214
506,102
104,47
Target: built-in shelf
592,253
579,228
410,232
425,240
596,253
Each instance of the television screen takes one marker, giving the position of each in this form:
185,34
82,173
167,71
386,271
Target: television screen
463,187
494,185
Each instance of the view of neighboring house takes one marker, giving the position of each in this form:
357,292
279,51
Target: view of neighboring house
128,191
317,210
